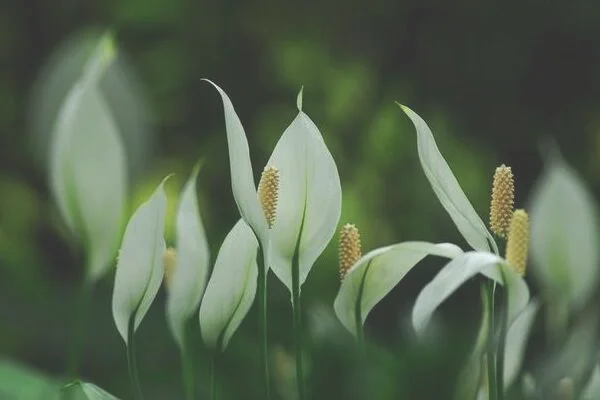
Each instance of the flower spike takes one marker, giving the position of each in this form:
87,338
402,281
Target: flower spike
349,249
503,196
517,244
268,193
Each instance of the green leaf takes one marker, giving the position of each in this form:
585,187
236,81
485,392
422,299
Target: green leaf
191,272
231,288
516,340
460,270
447,189
564,235
242,177
140,266
20,382
87,391
310,198
377,273
88,169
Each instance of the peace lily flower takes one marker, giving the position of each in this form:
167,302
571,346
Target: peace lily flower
307,210
140,264
470,225
564,236
139,272
368,279
485,260
309,196
187,266
231,288
88,169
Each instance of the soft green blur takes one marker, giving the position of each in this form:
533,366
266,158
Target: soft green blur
494,81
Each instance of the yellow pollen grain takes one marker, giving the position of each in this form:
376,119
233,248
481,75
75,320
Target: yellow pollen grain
517,244
349,248
268,193
503,196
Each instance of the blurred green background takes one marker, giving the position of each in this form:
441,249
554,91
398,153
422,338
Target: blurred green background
494,80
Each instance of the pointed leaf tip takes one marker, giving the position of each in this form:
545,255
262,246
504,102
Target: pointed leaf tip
299,99
109,46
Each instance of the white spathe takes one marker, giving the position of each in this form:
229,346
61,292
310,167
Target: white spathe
140,266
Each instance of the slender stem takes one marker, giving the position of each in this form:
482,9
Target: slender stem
491,344
297,311
213,377
133,373
187,368
262,320
82,309
502,344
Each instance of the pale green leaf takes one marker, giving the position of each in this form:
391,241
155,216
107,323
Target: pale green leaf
377,273
310,196
191,272
564,235
447,189
242,177
460,270
140,265
516,340
231,288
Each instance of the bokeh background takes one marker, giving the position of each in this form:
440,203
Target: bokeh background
495,81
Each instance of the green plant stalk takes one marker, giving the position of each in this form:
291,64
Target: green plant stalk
262,321
491,344
133,373
297,316
213,377
84,301
501,349
187,366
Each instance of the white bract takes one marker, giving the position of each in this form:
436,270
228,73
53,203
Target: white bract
462,268
376,274
231,288
309,203
140,265
516,341
88,165
564,236
189,277
447,189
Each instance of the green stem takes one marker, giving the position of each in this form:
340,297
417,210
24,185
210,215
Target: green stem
133,373
501,349
297,311
187,368
262,320
213,377
82,309
491,344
